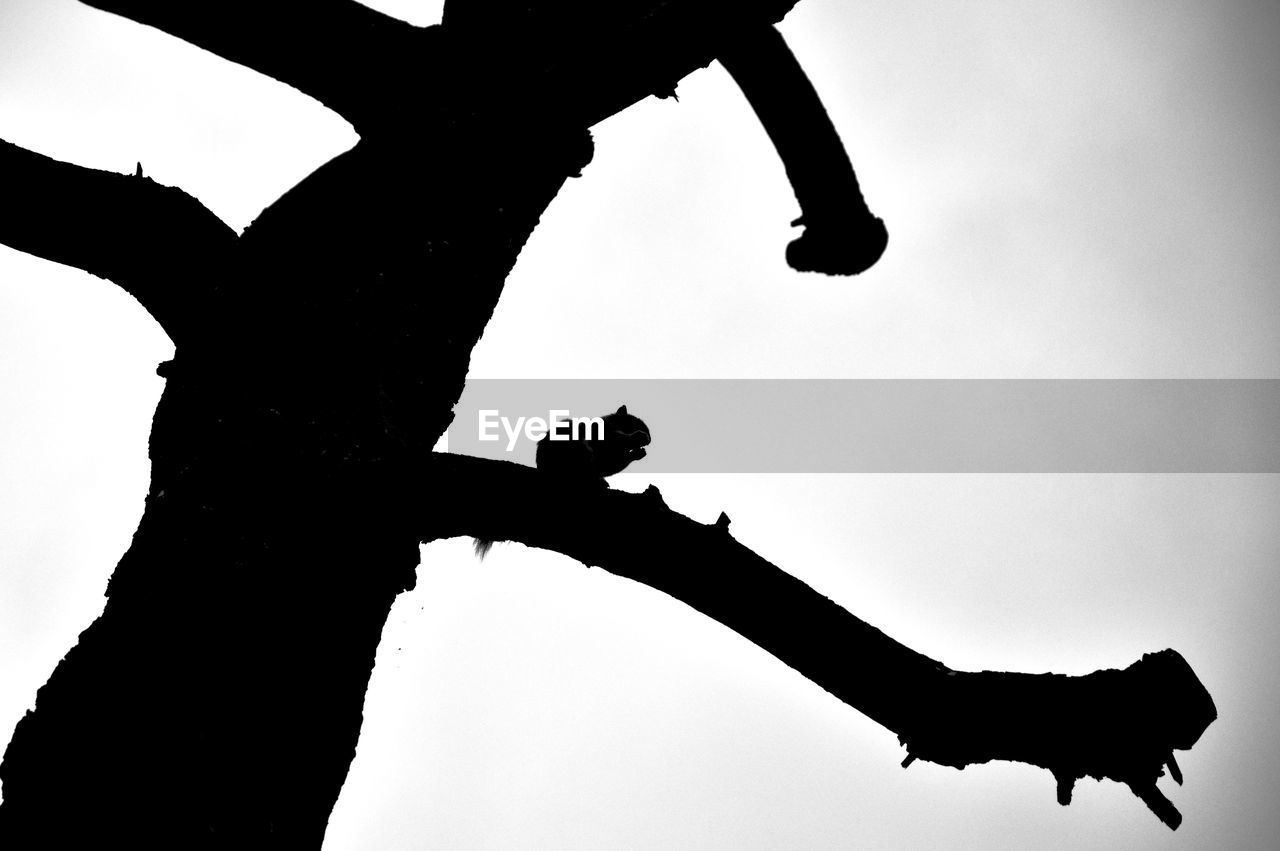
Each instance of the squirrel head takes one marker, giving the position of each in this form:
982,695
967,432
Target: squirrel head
626,435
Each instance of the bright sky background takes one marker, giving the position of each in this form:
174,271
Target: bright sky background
1073,190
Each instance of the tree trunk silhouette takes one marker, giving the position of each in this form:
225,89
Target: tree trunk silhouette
217,701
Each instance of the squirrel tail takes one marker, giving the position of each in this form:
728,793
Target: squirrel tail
481,546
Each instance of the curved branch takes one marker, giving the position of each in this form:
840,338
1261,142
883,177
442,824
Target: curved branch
346,55
378,72
127,228
1121,725
593,68
842,236
360,63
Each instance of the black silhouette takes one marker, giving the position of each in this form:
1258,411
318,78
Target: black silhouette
587,458
217,700
593,456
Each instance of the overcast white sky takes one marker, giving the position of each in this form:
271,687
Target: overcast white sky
1073,190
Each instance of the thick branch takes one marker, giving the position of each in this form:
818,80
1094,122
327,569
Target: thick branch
1121,725
352,59
591,67
156,242
379,72
842,236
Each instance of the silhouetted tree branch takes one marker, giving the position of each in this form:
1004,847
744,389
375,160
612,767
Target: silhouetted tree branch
156,242
356,61
371,69
1119,725
842,237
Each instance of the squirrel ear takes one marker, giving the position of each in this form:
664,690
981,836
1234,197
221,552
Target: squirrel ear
623,410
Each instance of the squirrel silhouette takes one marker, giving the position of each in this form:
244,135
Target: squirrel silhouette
589,459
